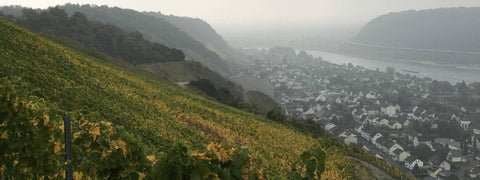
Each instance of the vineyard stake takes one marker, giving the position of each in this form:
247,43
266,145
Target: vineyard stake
68,147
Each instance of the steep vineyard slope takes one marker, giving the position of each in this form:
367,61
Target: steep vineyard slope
154,113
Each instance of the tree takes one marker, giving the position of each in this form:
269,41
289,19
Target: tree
390,70
476,88
276,115
106,38
403,98
474,146
462,88
423,152
416,170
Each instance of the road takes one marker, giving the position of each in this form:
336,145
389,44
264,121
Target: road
380,174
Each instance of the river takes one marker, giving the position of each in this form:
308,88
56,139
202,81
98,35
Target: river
438,72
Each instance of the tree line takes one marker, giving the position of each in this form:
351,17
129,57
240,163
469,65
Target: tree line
106,38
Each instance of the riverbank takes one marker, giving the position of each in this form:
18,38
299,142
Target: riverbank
429,69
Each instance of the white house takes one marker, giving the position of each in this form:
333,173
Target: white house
396,154
422,140
320,98
384,122
398,108
370,96
350,139
366,133
455,156
394,125
452,144
393,148
411,134
410,162
374,138
404,155
464,124
372,121
474,172
391,111
454,117
445,165
329,126
383,144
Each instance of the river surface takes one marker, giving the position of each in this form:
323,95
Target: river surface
438,72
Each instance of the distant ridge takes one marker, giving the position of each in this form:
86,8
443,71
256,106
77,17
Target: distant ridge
203,32
444,35
444,29
154,29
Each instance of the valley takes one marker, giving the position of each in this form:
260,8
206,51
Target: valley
152,94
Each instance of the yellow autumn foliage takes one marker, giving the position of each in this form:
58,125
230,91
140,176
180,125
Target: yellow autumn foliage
77,175
156,112
4,135
152,158
46,119
95,131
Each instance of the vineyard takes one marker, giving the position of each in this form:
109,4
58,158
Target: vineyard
128,125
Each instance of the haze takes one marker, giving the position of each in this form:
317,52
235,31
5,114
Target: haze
254,12
271,21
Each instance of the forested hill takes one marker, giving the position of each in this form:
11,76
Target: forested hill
154,29
455,29
203,32
106,38
105,41
128,126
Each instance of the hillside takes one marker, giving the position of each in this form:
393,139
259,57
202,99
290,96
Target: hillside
153,29
454,29
106,38
149,116
130,49
213,54
203,32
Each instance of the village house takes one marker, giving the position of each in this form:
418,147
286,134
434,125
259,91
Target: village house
375,137
465,123
474,172
396,154
372,110
383,144
350,139
384,122
371,120
366,132
393,148
455,156
329,126
444,175
403,156
394,125
422,140
450,143
434,161
411,134
390,111
445,165
411,161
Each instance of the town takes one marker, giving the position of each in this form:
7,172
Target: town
423,126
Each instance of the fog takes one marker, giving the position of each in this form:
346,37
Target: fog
265,13
279,19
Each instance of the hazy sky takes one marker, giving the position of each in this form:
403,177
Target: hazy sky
252,12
